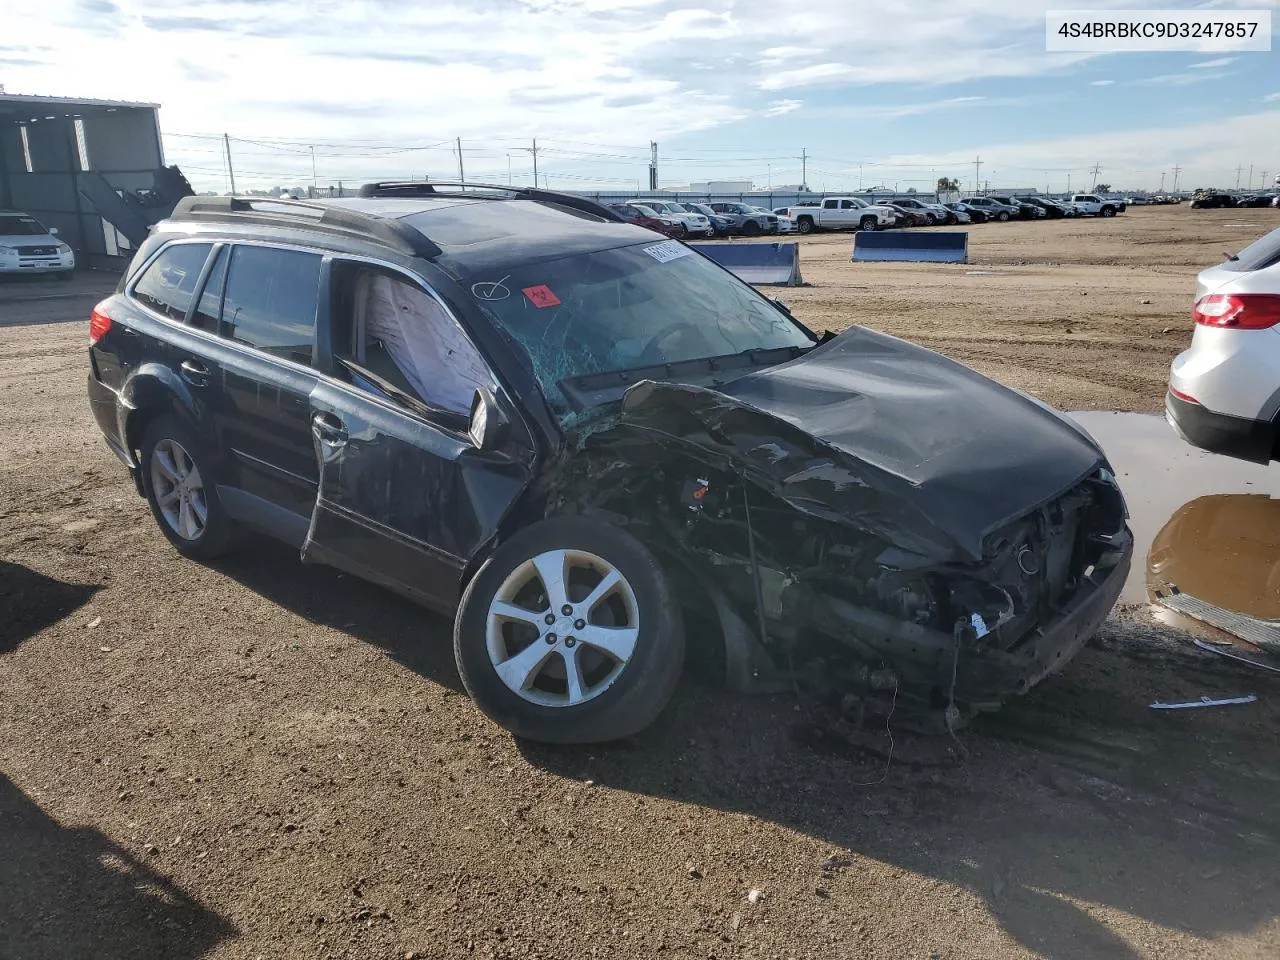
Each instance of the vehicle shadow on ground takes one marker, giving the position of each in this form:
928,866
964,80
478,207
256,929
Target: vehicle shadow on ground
1066,828
31,601
71,892
411,634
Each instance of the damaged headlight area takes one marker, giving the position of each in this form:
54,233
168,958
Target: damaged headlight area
872,615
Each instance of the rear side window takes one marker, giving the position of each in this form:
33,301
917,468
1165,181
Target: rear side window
169,283
1262,253
270,301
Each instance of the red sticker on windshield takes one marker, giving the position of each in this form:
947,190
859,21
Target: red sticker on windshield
541,296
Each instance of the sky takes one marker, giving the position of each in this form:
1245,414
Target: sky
895,92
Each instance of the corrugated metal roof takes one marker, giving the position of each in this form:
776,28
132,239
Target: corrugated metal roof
37,99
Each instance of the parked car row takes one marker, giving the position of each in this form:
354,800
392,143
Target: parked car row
859,213
1212,201
687,219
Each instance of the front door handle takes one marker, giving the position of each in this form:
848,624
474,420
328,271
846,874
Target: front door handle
329,429
195,373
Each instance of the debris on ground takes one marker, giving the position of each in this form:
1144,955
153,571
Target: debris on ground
1205,702
1231,656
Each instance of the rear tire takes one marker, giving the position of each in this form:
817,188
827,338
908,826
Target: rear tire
517,667
805,225
180,483
1003,216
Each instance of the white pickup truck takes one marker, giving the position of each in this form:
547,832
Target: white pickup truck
1088,203
842,213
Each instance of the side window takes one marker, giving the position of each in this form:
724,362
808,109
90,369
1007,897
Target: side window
270,301
209,308
395,339
846,205
828,205
169,283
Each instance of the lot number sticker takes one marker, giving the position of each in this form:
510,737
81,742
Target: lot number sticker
667,251
541,296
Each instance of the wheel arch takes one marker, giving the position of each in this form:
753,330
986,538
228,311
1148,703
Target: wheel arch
153,391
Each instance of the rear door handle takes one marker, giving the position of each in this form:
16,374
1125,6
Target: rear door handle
329,429
195,373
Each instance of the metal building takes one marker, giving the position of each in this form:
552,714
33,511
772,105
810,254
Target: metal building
47,143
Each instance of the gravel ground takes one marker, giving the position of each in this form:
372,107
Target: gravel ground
254,759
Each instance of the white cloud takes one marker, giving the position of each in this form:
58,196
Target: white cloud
1179,79
1271,98
1101,83
1209,64
383,86
778,107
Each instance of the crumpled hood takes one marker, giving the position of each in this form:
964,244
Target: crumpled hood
893,429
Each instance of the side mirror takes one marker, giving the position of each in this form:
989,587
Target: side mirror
53,231
489,425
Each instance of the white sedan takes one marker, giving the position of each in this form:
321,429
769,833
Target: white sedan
1224,390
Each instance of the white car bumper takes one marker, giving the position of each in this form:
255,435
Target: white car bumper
36,263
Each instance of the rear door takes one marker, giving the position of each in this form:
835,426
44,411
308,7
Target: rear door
267,316
404,498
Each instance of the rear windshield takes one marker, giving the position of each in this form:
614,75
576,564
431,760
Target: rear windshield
631,307
20,226
1262,253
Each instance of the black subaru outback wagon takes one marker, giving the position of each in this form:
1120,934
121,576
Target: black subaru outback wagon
575,436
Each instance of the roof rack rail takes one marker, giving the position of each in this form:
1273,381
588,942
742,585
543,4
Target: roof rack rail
310,215
425,188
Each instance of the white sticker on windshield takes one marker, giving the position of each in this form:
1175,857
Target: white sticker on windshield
667,251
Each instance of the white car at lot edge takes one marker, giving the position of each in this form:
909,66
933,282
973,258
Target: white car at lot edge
1224,391
27,246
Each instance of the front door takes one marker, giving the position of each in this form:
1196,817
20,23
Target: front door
404,498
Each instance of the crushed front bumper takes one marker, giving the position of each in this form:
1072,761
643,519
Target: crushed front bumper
985,677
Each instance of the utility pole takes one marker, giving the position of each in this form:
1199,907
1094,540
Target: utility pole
1176,170
1251,176
535,163
1097,168
1238,169
1262,180
653,165
859,178
804,167
508,168
462,177
1068,184
1162,181
314,185
977,172
231,173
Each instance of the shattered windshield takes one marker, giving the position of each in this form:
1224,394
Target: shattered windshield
630,307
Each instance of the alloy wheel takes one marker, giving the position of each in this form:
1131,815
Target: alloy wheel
179,490
562,627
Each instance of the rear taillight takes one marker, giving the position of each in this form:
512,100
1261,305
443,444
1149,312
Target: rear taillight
99,324
1238,311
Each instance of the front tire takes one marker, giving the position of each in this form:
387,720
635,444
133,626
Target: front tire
1003,216
602,671
867,223
751,228
178,476
1108,212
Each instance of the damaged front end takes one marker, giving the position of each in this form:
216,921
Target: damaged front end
861,580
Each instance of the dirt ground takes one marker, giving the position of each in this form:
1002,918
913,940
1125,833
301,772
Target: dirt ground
254,759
